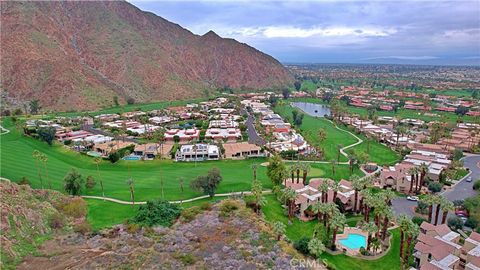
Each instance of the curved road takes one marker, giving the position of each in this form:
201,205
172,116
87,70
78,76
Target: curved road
460,191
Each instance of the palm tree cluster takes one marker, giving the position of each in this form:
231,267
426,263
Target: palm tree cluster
408,232
440,203
417,176
299,169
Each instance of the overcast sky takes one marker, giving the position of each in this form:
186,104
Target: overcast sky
418,32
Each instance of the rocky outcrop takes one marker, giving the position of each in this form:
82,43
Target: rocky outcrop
78,55
210,241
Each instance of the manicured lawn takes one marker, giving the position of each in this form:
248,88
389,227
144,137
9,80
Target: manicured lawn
310,128
102,214
390,261
273,211
378,153
17,162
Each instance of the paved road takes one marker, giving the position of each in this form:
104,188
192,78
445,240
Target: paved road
253,136
461,191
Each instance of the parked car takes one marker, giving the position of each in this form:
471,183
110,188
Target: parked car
469,179
412,198
461,212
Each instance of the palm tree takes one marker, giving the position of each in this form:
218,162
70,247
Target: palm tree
387,214
400,130
357,184
257,193
423,172
180,180
429,200
375,245
412,172
370,228
305,170
324,187
411,233
36,156
317,209
334,165
316,247
195,149
331,211
298,167
321,135
292,172
254,169
447,206
97,162
352,159
337,222
289,195
335,186
339,148
368,202
278,229
43,158
130,184
403,222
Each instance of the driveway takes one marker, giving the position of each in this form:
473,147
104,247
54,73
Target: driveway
460,191
253,136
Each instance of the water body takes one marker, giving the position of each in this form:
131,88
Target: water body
312,109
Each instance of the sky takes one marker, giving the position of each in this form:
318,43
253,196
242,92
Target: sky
407,32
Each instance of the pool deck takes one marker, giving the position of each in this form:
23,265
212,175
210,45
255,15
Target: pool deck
344,235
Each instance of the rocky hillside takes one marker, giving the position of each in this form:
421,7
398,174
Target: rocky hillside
28,217
80,54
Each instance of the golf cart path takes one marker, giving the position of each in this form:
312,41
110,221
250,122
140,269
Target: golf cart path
3,130
238,193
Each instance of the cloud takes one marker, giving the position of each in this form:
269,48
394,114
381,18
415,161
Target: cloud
286,31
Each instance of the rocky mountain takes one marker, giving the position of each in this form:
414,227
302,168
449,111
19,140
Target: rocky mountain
75,55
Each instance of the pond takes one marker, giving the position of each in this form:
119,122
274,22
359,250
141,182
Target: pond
312,109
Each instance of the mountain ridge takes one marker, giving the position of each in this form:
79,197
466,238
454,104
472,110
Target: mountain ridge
79,55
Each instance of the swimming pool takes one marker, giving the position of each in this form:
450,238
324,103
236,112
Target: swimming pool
132,158
354,241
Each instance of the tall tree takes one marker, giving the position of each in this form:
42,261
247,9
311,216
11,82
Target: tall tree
357,185
254,167
288,196
447,206
36,157
305,171
257,193
97,162
337,223
423,169
73,182
131,187
316,247
44,159
370,228
276,170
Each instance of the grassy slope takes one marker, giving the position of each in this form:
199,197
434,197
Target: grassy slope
378,153
17,162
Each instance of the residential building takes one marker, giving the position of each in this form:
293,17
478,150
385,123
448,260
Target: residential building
197,152
228,134
184,135
242,150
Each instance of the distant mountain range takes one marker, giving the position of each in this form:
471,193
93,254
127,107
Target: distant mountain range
79,55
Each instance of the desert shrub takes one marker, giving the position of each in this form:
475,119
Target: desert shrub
476,185
302,245
133,228
113,157
83,227
364,252
206,206
76,208
56,221
435,187
24,181
228,206
186,259
90,183
189,214
418,220
67,142
455,223
471,223
157,213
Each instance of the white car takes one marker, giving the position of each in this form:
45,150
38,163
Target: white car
412,198
469,179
